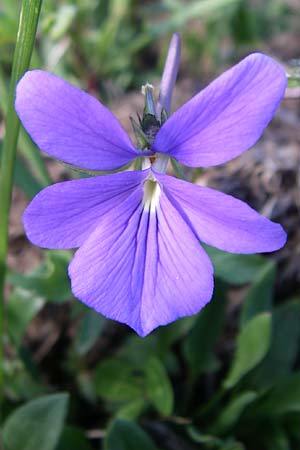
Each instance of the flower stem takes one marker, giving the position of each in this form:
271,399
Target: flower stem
28,21
169,76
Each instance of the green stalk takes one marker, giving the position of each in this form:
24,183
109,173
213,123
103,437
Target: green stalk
28,21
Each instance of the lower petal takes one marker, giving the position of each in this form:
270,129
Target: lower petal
142,267
223,221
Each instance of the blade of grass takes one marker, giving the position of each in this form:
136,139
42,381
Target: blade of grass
29,15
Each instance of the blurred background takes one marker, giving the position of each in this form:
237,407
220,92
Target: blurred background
225,379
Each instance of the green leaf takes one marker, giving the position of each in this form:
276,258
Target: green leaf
230,415
89,330
253,343
280,399
235,269
73,439
125,435
131,410
284,347
199,344
116,381
50,280
158,387
20,310
37,425
260,295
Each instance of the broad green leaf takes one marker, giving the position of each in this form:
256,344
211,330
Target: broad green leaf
131,410
158,387
199,345
20,310
125,435
73,439
37,425
231,413
90,329
282,398
116,381
235,269
253,344
50,280
284,346
260,295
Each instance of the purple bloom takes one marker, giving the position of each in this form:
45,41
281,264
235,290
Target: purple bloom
139,259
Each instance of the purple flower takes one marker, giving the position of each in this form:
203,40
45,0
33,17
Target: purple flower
139,259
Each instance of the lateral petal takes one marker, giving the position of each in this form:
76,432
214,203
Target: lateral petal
142,267
71,125
227,117
221,220
65,214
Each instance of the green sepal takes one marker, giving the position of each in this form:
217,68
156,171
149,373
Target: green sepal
140,120
149,100
141,137
163,116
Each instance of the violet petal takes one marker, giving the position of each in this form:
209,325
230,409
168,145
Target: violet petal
227,117
142,268
71,125
64,215
221,220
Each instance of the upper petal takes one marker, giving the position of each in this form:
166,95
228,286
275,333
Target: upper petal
142,267
221,220
70,124
227,117
64,215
